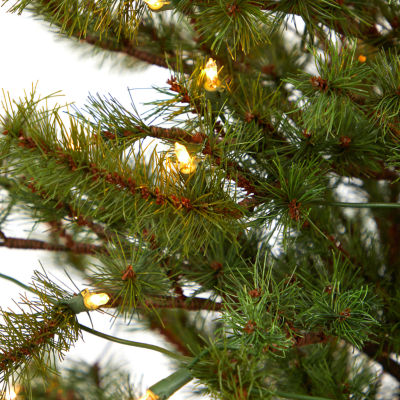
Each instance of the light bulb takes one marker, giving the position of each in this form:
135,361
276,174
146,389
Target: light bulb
211,69
11,394
211,72
186,163
156,4
149,396
181,153
94,300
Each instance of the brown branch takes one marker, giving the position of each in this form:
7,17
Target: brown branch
184,302
128,47
124,44
311,338
389,366
171,337
33,244
174,134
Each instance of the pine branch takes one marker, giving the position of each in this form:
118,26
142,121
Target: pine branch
77,217
119,181
359,29
107,34
57,204
34,338
266,168
182,302
242,177
130,48
33,244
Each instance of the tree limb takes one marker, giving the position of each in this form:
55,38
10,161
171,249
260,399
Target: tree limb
33,244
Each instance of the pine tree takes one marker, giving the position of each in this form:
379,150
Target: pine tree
236,243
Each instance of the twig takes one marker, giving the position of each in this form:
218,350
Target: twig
183,302
33,244
170,336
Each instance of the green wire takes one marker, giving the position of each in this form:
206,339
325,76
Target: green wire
135,344
10,278
358,205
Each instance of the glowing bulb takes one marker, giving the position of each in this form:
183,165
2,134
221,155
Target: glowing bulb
149,396
156,4
11,394
211,72
186,163
181,153
94,300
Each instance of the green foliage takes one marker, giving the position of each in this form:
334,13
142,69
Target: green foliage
265,315
105,17
341,77
297,282
328,371
129,289
34,338
317,13
231,374
242,22
219,265
340,302
293,187
104,194
385,100
257,314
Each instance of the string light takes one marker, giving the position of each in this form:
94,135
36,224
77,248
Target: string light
149,396
211,72
94,300
156,4
11,394
187,164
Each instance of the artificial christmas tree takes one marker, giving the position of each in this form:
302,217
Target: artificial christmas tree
241,221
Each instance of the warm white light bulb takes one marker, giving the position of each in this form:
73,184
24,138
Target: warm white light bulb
181,153
156,4
186,163
149,396
94,300
211,72
10,395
